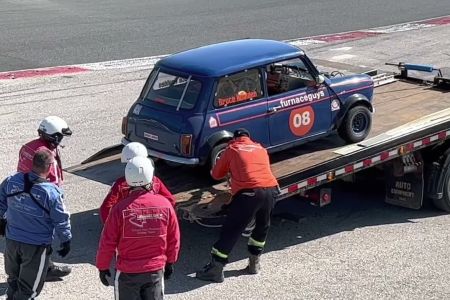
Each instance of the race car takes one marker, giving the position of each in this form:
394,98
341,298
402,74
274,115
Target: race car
192,101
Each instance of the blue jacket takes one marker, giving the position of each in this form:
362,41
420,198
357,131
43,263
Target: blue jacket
27,222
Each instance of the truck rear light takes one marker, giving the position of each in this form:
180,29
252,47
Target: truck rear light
325,197
124,126
186,144
319,197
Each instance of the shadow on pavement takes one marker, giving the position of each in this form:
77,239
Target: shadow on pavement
354,206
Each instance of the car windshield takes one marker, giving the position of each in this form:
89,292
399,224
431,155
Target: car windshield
174,91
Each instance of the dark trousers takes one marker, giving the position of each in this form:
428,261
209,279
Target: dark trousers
26,267
246,205
140,286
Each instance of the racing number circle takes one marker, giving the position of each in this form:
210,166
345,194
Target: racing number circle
301,120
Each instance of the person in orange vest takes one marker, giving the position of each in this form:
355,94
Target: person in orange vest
254,189
51,130
120,189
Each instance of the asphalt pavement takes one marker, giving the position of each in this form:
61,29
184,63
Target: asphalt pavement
356,248
43,33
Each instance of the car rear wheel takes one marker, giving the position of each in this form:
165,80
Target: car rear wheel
356,125
216,152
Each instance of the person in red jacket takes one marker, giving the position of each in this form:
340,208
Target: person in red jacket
51,132
120,188
254,189
142,232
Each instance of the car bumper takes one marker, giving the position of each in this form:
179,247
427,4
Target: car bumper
172,158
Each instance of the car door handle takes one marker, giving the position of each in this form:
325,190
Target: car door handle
273,109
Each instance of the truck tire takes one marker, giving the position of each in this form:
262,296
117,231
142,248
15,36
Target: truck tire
356,125
444,202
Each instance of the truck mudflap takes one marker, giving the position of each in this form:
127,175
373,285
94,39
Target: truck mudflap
405,181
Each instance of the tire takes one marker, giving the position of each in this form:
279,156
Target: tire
444,202
356,125
215,154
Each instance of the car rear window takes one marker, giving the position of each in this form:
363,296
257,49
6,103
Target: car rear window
179,92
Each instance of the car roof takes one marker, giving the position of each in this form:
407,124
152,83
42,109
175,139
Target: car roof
229,57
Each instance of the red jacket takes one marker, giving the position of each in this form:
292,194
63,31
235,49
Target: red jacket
26,155
248,163
120,190
143,228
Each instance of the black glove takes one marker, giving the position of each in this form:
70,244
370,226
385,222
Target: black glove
103,276
168,270
65,249
2,227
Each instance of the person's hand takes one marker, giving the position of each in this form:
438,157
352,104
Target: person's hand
104,274
168,271
65,249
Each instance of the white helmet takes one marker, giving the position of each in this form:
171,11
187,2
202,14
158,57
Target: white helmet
139,171
131,150
53,129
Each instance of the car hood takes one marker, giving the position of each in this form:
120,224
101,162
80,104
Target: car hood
350,83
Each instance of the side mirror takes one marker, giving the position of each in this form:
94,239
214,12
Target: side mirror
320,79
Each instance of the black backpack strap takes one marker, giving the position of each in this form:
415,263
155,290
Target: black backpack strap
27,185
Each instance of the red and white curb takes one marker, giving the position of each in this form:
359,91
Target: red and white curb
149,62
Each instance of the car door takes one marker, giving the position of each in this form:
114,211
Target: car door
298,108
239,102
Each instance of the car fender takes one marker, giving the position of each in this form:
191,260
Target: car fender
349,102
218,136
211,141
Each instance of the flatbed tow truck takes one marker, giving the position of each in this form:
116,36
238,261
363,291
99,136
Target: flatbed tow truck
409,141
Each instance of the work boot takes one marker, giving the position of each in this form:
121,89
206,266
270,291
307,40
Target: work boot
211,272
55,272
254,265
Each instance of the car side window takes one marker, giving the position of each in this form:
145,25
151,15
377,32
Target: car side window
287,75
238,88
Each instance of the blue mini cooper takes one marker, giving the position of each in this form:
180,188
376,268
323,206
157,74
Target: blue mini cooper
192,101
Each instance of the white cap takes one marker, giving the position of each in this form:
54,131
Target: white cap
139,171
131,150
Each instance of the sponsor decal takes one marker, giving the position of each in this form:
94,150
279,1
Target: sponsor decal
151,136
144,222
301,120
241,96
249,148
299,99
168,82
335,105
212,122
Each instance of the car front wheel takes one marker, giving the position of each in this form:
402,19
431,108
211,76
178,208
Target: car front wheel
356,125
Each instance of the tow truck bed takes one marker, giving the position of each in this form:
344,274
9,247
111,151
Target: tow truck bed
395,105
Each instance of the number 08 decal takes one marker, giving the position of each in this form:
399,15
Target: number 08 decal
301,120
